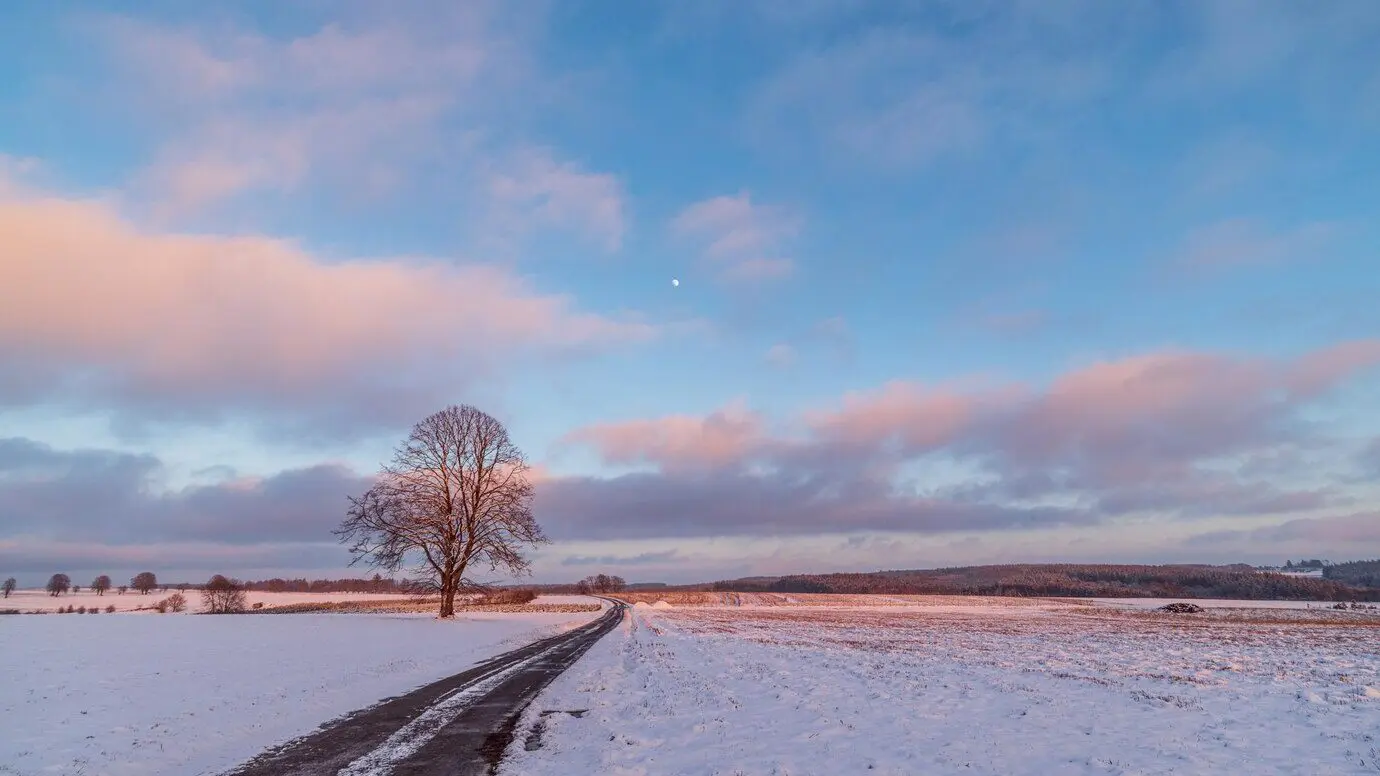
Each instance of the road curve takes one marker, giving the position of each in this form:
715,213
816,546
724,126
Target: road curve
457,726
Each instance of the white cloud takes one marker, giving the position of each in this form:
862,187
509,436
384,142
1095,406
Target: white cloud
1241,242
535,190
744,239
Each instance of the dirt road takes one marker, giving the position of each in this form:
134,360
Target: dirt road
455,727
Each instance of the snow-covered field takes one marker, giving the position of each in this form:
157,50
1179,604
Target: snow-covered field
1209,603
122,695
36,600
980,686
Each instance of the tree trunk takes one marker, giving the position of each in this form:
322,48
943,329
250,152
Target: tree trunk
447,598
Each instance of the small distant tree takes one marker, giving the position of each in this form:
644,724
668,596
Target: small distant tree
144,581
10,585
101,584
222,596
122,589
601,583
58,584
456,496
76,589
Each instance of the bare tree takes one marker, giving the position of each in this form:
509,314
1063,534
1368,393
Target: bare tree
221,596
10,585
144,581
600,583
58,584
455,495
122,589
101,584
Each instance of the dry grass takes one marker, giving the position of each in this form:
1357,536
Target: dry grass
421,606
1242,616
916,628
825,600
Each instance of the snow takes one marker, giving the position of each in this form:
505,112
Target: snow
978,688
37,600
1210,603
128,695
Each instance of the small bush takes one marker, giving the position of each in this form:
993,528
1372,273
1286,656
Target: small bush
162,606
70,609
509,597
81,610
177,602
110,609
94,610
258,604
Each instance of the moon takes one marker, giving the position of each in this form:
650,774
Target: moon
675,281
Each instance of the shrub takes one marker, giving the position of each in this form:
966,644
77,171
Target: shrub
81,610
222,596
94,610
161,606
258,604
177,602
509,597
70,609
110,609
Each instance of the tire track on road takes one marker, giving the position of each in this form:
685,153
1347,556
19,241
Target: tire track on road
458,725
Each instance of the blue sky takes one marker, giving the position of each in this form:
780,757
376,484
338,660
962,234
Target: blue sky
959,281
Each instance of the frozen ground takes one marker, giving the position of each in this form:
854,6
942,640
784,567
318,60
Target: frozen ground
1210,603
134,695
962,687
36,600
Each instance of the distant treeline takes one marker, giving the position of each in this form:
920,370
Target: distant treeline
1084,581
1361,573
376,585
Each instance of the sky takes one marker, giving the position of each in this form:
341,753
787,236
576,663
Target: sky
959,282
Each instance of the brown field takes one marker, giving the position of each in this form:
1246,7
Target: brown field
419,606
795,600
912,628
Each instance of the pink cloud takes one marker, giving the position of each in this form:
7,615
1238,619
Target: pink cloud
726,436
1165,433
535,189
916,417
1322,369
103,307
742,237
